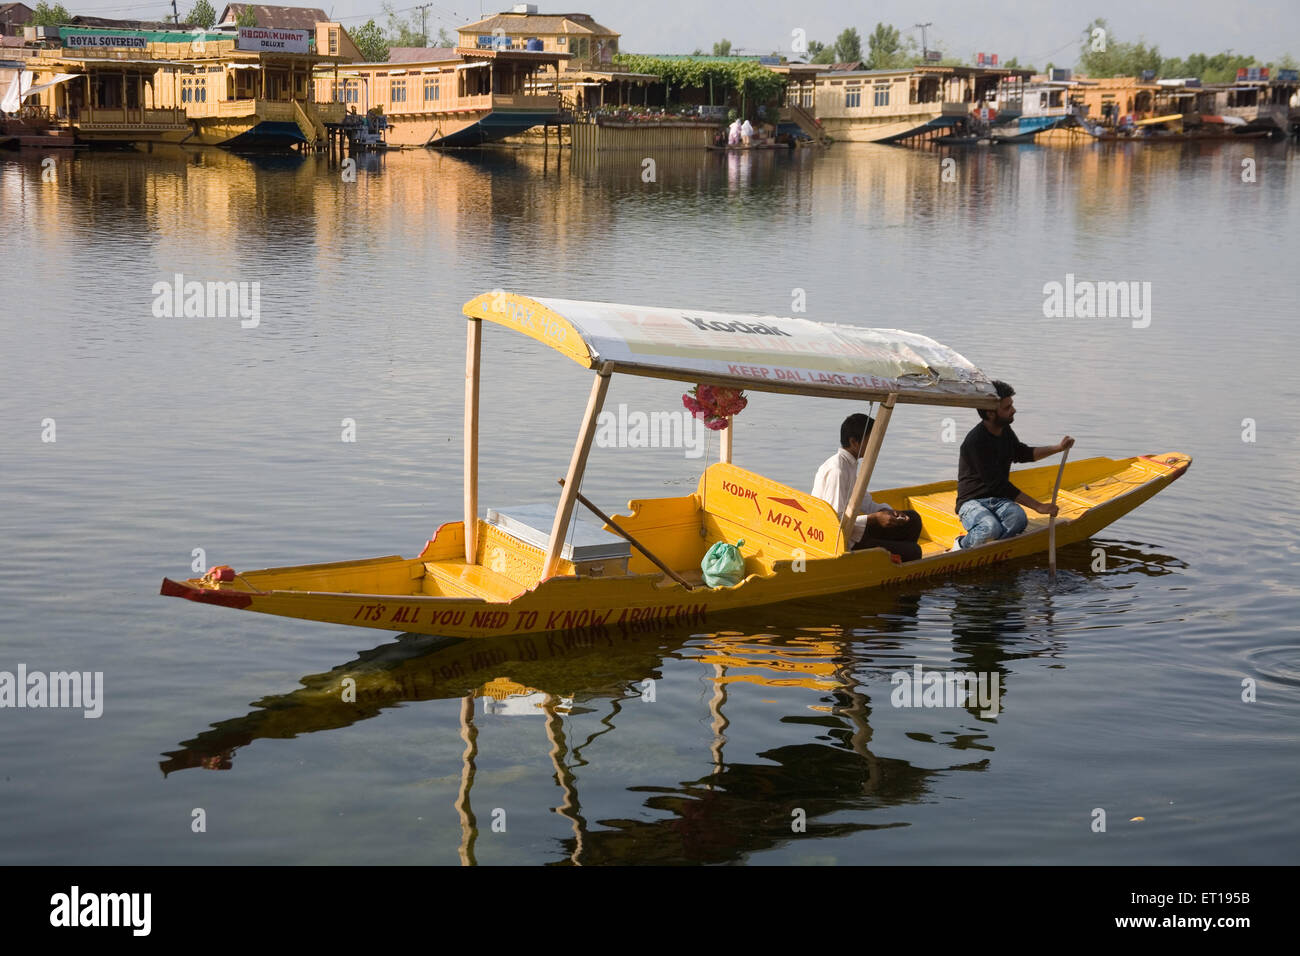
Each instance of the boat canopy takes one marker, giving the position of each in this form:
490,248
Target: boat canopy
759,352
1167,118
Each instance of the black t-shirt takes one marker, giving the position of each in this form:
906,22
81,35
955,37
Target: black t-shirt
985,465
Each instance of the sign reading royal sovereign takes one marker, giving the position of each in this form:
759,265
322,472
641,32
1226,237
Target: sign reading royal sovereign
265,40
81,41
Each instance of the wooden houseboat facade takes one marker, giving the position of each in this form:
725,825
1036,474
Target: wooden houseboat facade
450,97
198,88
884,106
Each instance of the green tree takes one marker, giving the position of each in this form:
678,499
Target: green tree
202,15
370,41
1014,64
445,38
49,16
745,80
247,17
848,46
722,48
403,32
1101,53
885,49
824,53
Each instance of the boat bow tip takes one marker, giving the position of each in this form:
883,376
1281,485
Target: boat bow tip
233,599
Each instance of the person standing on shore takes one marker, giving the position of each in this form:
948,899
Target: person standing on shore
988,504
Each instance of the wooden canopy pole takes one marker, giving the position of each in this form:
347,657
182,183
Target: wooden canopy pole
473,349
724,441
468,824
569,495
867,465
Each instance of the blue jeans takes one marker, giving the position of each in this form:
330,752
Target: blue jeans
987,519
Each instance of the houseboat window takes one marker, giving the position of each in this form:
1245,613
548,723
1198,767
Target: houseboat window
852,98
881,95
561,41
398,94
334,41
430,90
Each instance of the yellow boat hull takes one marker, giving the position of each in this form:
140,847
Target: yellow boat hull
791,552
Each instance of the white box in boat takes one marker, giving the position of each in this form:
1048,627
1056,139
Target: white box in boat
594,551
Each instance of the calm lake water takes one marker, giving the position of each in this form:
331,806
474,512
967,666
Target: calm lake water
1121,683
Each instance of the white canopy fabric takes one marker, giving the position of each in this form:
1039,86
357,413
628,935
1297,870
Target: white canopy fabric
761,352
58,78
20,83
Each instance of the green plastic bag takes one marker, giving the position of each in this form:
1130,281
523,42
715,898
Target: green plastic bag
724,565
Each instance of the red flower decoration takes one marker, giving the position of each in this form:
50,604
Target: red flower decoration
714,404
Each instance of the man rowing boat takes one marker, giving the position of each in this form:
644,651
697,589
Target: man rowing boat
988,504
879,526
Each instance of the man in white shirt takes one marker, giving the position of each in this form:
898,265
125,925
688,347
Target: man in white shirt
878,526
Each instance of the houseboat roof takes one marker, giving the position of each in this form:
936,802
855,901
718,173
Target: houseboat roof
524,56
441,56
760,352
148,36
277,17
936,70
420,54
549,23
609,76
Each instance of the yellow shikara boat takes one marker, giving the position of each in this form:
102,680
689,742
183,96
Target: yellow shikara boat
524,571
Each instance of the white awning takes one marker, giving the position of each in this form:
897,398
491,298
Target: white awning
58,78
244,66
761,352
470,66
19,84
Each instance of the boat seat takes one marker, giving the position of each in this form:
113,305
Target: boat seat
939,523
471,579
775,520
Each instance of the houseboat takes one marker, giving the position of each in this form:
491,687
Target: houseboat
250,89
1265,99
1023,110
892,106
449,97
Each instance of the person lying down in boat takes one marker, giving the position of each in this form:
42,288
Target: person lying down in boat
878,526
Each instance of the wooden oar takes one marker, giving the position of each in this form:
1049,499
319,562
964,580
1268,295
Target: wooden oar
632,541
1051,522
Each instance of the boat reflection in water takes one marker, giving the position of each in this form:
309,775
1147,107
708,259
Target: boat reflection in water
842,651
